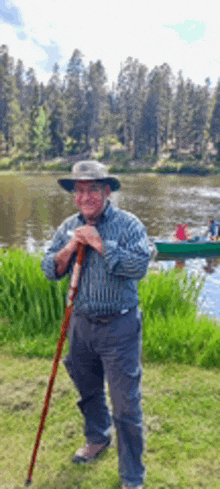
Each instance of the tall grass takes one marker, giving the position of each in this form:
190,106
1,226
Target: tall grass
31,305
31,309
172,328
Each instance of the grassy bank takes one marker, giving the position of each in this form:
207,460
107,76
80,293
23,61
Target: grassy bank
118,162
181,418
31,308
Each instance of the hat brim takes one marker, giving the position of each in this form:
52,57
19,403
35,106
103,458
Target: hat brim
69,183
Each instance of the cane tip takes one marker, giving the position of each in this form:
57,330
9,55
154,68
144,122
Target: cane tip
28,482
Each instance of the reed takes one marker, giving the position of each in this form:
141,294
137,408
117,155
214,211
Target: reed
31,304
31,309
172,328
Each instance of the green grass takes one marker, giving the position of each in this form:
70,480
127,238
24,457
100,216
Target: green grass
172,329
181,393
181,419
31,309
118,162
128,170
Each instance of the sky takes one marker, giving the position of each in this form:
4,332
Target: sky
184,34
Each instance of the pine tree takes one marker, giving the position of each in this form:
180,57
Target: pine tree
155,125
42,139
179,109
114,121
131,88
199,123
74,96
191,107
208,101
10,118
20,83
31,91
15,120
32,113
5,92
56,112
95,102
215,119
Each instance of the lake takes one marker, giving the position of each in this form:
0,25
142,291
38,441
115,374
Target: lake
32,206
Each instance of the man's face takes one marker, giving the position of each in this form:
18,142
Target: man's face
90,197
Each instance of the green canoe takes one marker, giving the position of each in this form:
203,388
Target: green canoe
198,247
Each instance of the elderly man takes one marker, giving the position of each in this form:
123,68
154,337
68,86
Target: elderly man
106,328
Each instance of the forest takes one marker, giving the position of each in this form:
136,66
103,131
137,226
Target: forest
145,115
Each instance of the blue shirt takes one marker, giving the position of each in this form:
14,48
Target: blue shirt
108,284
214,228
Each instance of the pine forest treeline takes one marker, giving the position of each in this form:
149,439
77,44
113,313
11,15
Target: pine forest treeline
145,110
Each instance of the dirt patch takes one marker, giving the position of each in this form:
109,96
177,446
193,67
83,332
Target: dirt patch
23,394
18,396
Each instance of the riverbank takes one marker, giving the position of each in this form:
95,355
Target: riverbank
180,415
31,309
122,165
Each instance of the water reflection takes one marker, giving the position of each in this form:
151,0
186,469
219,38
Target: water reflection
8,216
211,265
33,206
160,201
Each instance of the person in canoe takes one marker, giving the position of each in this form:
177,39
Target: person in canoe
181,234
214,230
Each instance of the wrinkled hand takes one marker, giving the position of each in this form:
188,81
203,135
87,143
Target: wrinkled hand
85,235
88,235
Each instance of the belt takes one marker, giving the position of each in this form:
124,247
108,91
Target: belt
106,319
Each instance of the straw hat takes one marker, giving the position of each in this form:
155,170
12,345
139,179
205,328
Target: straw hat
89,170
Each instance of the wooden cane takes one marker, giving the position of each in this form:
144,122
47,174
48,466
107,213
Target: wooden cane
73,289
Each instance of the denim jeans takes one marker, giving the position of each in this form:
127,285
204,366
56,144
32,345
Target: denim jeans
110,351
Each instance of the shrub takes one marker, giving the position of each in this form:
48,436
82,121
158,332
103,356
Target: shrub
5,163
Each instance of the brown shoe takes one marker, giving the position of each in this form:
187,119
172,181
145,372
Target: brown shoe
89,452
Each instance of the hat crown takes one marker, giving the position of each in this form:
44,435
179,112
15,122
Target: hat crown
89,170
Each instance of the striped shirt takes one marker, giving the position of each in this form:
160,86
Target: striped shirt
108,284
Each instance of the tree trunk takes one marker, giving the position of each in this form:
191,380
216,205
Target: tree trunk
125,134
133,142
157,145
87,140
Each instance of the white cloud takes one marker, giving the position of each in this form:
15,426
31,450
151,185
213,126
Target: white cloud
25,50
112,31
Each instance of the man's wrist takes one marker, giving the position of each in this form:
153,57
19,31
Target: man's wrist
99,249
70,248
63,257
